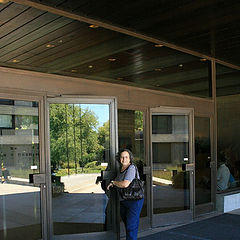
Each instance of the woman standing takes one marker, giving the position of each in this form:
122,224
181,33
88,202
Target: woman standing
129,209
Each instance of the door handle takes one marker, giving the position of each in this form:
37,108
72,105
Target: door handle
188,167
212,164
39,178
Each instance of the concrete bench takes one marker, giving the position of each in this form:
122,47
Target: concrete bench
227,201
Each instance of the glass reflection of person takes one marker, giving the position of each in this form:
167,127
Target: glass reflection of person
223,173
129,209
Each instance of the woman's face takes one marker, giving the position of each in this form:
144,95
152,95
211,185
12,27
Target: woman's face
125,158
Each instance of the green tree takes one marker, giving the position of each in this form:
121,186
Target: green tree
74,136
139,120
104,140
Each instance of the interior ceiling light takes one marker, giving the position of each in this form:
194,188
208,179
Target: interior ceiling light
90,66
4,1
158,45
73,70
50,45
60,41
15,61
158,69
203,59
93,26
180,65
112,59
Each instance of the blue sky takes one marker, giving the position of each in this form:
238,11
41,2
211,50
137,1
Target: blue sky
101,111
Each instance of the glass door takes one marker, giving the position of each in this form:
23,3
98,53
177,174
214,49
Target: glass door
204,166
20,200
83,144
172,165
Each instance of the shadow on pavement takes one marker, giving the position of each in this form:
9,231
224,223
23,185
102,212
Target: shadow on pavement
223,227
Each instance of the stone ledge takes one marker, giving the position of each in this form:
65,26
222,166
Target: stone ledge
227,201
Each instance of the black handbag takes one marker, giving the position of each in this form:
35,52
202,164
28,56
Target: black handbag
134,191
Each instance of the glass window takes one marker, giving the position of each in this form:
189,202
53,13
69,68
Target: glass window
19,148
170,152
202,160
26,122
26,104
161,152
140,63
228,118
6,102
5,121
161,125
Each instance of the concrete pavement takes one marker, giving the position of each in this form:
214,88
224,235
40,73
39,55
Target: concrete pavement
81,201
213,226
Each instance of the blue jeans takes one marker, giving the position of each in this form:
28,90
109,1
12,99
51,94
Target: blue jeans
130,212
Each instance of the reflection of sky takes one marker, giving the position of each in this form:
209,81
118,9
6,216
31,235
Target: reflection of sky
101,111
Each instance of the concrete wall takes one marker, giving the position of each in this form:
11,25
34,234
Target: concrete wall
35,83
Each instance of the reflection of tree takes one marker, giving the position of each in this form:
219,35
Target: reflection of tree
104,139
26,122
138,120
74,136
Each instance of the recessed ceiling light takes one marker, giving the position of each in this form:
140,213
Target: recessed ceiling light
15,61
73,70
203,59
90,66
93,26
158,45
112,59
60,41
50,45
158,69
180,65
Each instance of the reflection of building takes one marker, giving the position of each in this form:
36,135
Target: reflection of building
19,134
130,137
170,140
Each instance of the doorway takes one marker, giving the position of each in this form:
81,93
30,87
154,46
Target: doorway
172,165
82,149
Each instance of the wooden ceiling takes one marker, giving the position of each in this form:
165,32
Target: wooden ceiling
35,39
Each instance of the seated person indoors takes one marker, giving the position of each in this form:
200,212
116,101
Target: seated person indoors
223,173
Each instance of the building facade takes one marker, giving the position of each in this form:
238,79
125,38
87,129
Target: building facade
176,109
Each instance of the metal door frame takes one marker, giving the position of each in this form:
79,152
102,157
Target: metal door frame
175,111
82,99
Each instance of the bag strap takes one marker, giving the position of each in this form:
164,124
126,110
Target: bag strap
136,171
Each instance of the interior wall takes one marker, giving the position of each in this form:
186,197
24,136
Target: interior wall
41,83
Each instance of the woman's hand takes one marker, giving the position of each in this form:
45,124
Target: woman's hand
110,185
